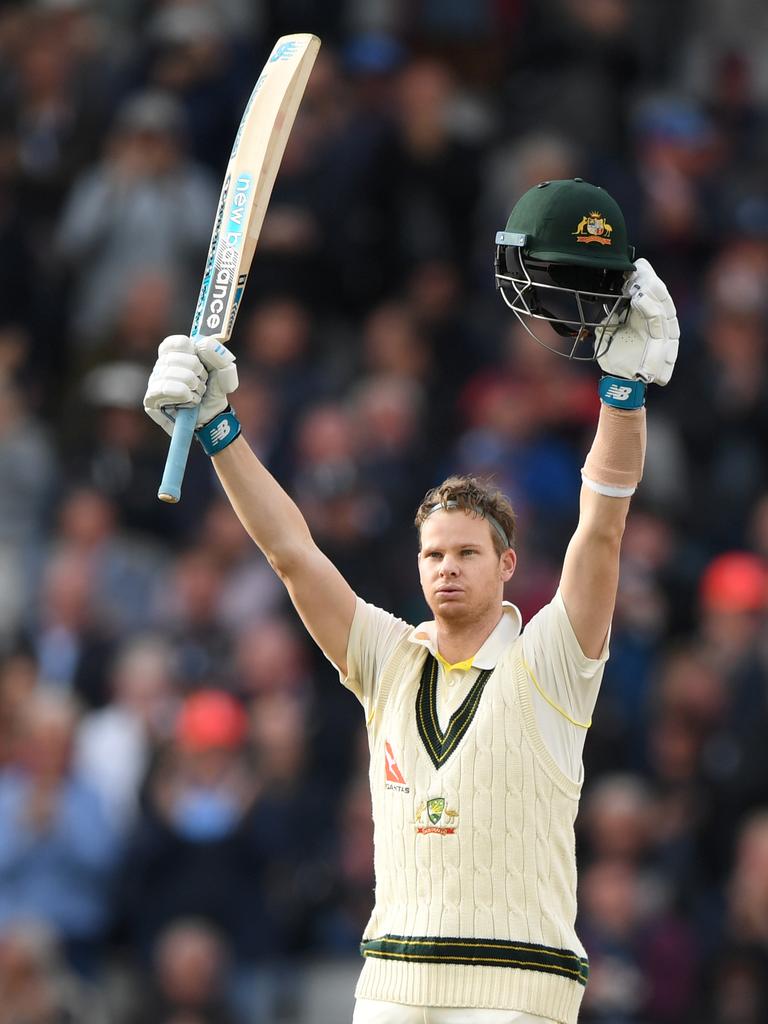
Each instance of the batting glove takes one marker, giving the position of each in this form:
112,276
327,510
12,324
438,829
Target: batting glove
190,373
644,347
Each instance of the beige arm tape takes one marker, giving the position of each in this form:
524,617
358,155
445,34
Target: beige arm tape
614,465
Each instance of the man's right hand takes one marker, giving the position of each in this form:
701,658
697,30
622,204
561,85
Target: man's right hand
190,373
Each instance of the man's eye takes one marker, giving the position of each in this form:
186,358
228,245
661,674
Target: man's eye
469,551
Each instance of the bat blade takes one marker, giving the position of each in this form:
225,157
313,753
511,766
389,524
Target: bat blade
248,181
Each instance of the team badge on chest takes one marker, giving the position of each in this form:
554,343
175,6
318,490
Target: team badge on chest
434,816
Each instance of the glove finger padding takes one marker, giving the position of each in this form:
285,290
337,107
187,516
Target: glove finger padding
220,362
178,380
645,346
176,343
213,354
170,391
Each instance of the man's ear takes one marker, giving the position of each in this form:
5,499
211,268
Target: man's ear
507,564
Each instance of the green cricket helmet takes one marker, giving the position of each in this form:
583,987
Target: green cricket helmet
563,257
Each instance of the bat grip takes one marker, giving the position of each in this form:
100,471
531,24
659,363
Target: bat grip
183,429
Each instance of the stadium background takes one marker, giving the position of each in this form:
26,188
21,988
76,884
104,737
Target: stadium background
184,821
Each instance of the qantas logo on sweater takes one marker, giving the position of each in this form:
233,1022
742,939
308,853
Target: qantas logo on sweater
392,774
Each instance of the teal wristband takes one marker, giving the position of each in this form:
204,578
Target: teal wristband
222,430
621,393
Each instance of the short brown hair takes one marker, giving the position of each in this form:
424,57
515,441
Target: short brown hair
478,497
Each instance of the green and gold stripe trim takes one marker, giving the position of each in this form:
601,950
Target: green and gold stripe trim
438,744
524,956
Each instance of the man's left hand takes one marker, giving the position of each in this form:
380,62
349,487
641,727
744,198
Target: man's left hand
644,347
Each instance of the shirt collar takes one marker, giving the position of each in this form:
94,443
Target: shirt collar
507,630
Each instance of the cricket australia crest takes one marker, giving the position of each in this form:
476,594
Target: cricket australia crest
594,228
434,816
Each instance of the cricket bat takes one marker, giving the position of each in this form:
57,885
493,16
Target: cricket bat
256,154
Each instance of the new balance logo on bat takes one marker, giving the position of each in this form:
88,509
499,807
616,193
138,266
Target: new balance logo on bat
284,52
619,391
220,432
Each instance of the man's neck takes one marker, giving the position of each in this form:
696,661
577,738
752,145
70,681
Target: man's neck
459,641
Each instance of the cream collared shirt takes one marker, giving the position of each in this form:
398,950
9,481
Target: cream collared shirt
564,682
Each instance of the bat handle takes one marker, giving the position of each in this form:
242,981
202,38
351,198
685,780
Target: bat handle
184,428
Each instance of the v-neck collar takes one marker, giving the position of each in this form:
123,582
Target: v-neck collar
440,745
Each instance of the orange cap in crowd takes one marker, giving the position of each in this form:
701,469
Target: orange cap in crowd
736,581
210,718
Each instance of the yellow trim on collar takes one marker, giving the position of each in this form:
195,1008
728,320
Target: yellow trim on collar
462,665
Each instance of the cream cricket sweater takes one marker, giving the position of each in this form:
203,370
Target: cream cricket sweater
474,848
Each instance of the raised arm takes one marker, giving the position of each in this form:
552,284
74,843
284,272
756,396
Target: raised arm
642,351
591,568
203,374
321,595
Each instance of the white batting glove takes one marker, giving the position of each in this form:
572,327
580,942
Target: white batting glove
645,346
189,374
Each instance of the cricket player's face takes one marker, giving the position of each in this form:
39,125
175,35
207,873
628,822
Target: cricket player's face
461,573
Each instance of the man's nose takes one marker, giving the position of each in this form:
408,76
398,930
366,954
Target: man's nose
449,566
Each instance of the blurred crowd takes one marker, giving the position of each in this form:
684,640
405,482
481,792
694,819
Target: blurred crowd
184,818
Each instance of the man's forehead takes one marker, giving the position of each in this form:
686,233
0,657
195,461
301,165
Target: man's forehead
455,525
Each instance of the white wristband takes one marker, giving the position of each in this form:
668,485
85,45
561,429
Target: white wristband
606,489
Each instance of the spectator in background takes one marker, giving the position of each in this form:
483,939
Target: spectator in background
27,463
124,568
271,657
393,344
72,642
188,979
198,54
115,744
653,603
251,591
747,891
388,416
61,81
108,450
434,170
618,819
339,927
18,679
735,990
147,305
736,972
732,380
190,613
642,957
145,205
278,346
289,832
578,68
186,855
224,834
733,598
58,848
679,156
37,986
